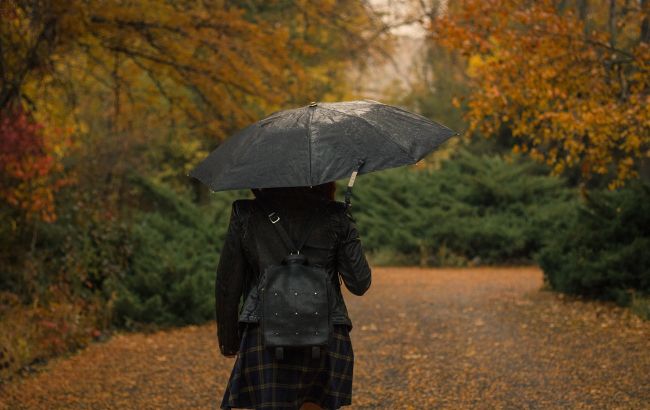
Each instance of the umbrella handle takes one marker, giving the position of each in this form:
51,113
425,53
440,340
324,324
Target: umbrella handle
353,177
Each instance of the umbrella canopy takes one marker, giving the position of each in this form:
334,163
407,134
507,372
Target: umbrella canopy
320,143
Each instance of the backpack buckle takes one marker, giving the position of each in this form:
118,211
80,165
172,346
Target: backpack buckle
271,216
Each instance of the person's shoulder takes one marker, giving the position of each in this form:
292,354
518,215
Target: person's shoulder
341,211
335,206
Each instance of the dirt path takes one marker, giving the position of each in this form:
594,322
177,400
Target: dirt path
423,339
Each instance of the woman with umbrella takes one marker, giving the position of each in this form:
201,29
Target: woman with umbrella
259,378
279,307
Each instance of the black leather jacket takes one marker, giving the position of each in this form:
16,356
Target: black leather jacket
252,244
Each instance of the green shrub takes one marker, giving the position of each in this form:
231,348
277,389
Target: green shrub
170,276
476,209
603,252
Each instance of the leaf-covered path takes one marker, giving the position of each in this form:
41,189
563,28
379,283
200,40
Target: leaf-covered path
424,338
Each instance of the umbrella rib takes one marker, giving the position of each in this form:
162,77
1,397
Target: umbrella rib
379,131
311,114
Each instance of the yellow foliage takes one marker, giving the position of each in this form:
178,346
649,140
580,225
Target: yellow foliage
572,98
210,64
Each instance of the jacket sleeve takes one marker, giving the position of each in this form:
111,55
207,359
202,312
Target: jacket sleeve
351,260
231,271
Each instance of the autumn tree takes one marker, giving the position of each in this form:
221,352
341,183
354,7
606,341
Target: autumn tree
152,85
569,80
210,61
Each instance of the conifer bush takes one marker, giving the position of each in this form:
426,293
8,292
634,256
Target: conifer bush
475,209
603,252
170,276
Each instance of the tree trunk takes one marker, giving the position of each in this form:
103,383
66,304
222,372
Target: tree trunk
583,11
645,23
612,23
644,37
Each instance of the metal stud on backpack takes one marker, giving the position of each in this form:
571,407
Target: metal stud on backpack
295,298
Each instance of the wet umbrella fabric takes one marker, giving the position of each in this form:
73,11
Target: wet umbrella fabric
320,143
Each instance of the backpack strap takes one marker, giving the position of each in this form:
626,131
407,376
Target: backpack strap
275,220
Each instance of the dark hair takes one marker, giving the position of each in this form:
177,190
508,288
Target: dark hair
323,191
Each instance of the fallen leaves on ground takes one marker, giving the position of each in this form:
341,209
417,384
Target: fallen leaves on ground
424,338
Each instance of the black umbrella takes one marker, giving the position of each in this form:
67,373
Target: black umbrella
320,143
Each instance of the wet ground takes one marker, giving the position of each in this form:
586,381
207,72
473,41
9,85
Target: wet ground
485,338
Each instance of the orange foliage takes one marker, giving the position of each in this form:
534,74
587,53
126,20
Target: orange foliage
575,91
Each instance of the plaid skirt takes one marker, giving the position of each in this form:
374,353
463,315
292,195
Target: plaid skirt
260,381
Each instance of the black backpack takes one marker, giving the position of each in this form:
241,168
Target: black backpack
295,298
